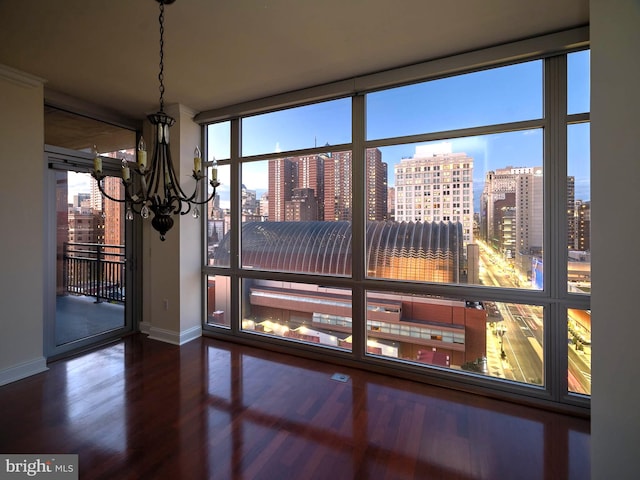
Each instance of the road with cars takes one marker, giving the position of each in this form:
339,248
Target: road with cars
522,329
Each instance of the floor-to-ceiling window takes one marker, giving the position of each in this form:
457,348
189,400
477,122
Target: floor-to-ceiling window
434,223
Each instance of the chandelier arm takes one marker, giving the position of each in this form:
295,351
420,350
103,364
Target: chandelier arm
153,180
175,183
99,181
190,198
208,199
184,212
174,203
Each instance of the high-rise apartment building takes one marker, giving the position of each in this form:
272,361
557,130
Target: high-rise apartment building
391,202
84,226
571,213
583,226
376,194
529,212
337,181
499,191
303,205
82,199
110,230
287,174
512,210
436,185
298,185
96,197
114,222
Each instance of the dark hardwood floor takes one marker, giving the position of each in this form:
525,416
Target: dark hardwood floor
142,409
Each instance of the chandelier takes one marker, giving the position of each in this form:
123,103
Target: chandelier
154,189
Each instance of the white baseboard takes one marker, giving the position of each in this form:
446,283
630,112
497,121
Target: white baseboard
23,370
173,337
144,327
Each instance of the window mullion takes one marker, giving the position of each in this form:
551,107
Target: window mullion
358,227
556,230
236,225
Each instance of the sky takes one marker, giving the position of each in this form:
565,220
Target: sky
500,95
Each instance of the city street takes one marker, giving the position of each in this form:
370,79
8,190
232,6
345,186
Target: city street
519,333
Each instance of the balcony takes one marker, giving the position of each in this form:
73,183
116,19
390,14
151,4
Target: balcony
95,270
91,290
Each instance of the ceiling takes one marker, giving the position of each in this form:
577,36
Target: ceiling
222,52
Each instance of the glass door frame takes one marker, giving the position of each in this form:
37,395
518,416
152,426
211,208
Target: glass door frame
60,159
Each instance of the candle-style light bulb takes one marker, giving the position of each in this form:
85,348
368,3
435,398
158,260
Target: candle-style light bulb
142,154
126,172
197,161
97,161
214,170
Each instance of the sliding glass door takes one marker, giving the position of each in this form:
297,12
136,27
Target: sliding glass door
90,270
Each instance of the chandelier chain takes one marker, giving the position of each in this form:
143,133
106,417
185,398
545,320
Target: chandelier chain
161,73
155,190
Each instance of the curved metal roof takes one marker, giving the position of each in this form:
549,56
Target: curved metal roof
325,248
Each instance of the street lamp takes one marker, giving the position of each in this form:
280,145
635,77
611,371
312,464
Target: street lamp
501,330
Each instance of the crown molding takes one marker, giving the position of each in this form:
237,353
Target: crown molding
21,78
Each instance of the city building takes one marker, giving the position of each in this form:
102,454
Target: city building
377,189
498,192
443,332
303,205
436,185
391,203
529,212
249,202
264,206
112,212
512,214
82,200
318,187
85,226
583,226
572,225
289,174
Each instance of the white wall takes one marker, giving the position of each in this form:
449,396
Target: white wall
191,313
615,182
22,216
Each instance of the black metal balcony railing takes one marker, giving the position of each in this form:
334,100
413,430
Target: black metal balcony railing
96,270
